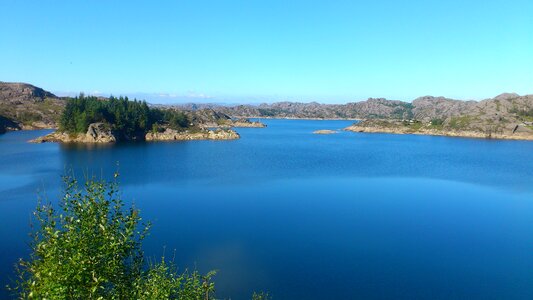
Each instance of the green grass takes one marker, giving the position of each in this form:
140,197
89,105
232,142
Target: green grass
461,122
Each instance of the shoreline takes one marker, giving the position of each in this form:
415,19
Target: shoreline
457,134
99,135
295,118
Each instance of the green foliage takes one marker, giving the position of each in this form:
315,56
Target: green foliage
461,122
28,117
261,296
437,122
171,118
268,112
403,110
162,281
413,126
90,248
128,119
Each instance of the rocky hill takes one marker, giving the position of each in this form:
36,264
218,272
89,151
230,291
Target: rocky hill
24,106
424,108
507,116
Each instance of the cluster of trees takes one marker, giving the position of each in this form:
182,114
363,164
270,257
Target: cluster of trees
127,118
89,247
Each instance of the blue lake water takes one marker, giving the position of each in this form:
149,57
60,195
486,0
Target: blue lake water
305,216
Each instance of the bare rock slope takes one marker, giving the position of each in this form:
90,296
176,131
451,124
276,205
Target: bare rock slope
29,107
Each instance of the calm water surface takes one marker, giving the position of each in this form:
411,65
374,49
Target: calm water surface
304,216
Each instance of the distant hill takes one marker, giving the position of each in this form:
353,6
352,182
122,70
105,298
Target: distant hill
423,108
24,106
504,113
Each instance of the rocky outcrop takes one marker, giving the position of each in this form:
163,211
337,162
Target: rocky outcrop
325,131
96,133
16,91
208,118
169,134
100,133
7,125
247,123
428,108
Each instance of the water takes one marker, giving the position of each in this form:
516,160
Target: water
304,216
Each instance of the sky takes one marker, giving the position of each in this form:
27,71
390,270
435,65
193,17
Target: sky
265,51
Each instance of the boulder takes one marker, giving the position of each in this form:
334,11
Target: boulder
99,133
247,123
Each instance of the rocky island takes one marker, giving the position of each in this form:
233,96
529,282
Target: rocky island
93,120
101,133
243,122
325,131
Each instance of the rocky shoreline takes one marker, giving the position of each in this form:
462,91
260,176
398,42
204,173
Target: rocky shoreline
99,133
174,135
519,132
246,123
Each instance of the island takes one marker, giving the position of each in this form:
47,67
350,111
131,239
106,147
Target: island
88,119
243,122
325,131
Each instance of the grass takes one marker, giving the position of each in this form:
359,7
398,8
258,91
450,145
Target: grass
461,122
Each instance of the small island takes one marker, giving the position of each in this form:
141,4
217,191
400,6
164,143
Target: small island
96,120
325,131
243,122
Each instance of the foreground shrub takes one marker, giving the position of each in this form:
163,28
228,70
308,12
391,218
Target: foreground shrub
89,247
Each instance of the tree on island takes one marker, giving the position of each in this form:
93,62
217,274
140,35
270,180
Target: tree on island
129,119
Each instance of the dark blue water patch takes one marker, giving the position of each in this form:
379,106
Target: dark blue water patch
346,215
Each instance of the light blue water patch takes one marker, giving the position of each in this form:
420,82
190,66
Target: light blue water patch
10,181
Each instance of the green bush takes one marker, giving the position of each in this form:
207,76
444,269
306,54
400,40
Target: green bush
261,296
437,122
89,247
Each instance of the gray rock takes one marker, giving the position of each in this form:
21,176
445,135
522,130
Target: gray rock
100,133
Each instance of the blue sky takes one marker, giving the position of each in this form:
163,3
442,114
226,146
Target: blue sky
255,51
